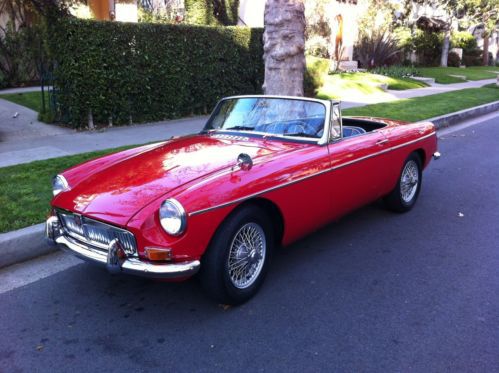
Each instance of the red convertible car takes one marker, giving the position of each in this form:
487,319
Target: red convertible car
264,172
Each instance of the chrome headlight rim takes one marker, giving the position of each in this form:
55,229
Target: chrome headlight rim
181,215
59,185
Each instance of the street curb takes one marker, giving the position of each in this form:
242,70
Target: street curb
23,244
28,243
447,120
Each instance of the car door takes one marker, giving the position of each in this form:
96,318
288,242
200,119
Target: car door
358,167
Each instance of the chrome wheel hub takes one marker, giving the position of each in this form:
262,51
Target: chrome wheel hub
409,181
246,255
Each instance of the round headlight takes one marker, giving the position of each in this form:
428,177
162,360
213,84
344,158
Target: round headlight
172,217
59,184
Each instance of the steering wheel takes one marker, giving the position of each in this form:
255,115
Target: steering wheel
300,126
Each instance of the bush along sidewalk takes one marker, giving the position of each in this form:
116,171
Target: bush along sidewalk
123,72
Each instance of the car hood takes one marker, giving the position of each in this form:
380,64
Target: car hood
117,191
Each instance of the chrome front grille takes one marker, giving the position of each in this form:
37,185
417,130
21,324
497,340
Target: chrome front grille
96,233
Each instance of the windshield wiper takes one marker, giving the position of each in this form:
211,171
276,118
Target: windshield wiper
300,134
243,128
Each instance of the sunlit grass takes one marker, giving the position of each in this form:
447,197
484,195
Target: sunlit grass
443,75
347,85
425,107
32,100
26,189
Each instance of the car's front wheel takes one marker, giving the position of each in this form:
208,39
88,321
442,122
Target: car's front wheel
234,265
403,197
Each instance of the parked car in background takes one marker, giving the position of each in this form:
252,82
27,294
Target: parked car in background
264,172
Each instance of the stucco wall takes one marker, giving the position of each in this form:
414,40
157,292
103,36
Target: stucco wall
251,13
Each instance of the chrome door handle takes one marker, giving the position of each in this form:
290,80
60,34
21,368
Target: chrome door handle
381,142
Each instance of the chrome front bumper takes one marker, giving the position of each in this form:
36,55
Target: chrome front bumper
115,260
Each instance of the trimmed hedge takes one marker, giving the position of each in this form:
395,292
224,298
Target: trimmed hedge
149,72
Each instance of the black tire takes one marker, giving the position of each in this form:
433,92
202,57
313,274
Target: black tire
395,201
215,274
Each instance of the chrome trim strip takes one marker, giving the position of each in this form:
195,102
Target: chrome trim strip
310,176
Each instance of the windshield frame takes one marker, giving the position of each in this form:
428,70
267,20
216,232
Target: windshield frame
321,141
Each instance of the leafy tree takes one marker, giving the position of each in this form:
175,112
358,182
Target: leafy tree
212,12
486,13
453,9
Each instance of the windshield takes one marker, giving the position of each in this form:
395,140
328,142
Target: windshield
272,116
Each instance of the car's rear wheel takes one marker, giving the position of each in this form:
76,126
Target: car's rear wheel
405,194
234,265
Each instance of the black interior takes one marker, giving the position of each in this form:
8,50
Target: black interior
367,125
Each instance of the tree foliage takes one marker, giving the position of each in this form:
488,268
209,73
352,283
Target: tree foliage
212,12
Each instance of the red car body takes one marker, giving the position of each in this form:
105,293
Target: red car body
302,185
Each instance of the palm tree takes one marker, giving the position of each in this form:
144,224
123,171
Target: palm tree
284,46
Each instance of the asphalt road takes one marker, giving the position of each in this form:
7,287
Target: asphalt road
376,291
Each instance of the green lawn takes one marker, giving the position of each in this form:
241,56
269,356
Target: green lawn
442,75
425,107
352,86
26,190
32,100
346,85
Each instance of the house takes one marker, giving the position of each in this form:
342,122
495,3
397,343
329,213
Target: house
342,15
477,32
107,10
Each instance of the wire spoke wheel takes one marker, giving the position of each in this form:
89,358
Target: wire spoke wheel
409,181
246,255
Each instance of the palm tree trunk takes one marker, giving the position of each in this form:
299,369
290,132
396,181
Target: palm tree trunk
284,46
486,37
445,49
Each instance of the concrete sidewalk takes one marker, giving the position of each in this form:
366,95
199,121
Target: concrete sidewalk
68,142
21,89
23,139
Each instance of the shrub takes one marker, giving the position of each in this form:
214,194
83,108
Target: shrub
19,54
3,82
212,13
464,40
377,48
473,57
149,72
428,46
317,46
404,38
396,71
453,60
491,59
316,69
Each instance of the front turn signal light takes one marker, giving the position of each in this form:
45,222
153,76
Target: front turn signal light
158,254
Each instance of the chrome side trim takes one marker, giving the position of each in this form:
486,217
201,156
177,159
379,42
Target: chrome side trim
309,176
